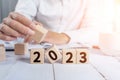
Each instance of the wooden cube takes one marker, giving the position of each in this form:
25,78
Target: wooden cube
2,45
53,54
69,56
21,48
37,56
2,53
39,35
82,56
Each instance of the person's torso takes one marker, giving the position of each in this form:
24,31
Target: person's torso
60,15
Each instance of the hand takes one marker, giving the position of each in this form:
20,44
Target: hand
16,25
52,37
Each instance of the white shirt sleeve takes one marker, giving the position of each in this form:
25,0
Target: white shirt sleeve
27,8
97,18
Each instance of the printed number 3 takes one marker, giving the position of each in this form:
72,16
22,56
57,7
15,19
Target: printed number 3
83,57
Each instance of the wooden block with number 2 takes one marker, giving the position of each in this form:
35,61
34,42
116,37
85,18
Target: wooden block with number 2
82,56
37,56
69,56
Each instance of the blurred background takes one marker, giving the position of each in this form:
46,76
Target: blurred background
6,6
108,11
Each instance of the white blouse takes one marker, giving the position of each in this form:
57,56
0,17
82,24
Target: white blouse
81,20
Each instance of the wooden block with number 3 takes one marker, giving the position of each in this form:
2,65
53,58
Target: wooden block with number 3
82,56
37,56
69,56
53,54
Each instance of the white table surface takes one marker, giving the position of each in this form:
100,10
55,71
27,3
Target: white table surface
100,67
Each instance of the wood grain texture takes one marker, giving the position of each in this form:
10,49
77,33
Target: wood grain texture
53,54
21,48
82,56
69,56
37,56
2,53
76,72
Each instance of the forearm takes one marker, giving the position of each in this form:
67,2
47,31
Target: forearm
56,38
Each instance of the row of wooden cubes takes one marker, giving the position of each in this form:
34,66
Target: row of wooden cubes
53,55
37,55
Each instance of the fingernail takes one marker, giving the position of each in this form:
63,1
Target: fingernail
7,20
33,26
30,32
1,25
13,15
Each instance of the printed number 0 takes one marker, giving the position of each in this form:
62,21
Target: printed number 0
38,56
83,57
50,54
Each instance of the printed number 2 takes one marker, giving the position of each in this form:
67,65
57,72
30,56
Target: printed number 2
83,57
69,59
38,56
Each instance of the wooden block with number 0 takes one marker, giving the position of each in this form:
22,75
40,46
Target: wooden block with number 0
2,52
82,56
53,54
69,56
37,56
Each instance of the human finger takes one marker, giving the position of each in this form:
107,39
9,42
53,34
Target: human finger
6,37
22,19
9,31
18,26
